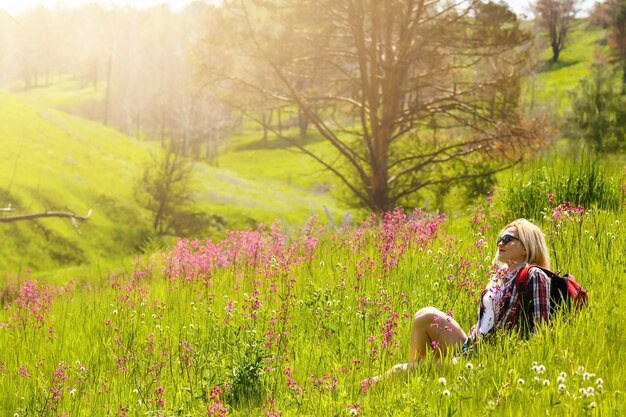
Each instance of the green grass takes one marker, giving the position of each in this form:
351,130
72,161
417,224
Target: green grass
54,161
62,92
279,328
549,89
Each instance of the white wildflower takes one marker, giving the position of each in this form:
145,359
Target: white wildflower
442,381
560,380
445,393
73,392
520,381
599,381
354,412
562,387
114,312
592,404
469,366
546,383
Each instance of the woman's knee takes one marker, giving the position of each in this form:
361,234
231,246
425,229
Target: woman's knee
426,315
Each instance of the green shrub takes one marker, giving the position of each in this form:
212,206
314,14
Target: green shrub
586,182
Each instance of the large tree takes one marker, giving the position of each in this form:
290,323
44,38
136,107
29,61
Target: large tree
557,17
410,93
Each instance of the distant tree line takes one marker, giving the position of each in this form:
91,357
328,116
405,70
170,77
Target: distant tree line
138,63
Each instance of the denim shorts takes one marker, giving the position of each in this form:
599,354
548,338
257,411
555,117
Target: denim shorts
467,345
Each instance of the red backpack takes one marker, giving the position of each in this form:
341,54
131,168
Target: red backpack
564,290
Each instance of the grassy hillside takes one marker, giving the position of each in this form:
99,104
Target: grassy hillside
262,325
53,161
548,88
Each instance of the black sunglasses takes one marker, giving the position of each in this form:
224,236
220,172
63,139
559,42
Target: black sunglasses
506,239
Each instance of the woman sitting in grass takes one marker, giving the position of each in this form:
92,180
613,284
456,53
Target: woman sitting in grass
501,307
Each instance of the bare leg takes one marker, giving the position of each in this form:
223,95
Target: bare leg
434,329
431,329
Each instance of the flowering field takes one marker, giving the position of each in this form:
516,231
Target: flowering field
271,323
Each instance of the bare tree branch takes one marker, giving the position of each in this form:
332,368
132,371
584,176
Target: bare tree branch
32,216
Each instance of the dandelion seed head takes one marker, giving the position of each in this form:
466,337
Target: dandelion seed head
562,387
442,381
560,380
445,393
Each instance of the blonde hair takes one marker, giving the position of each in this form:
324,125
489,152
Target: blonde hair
533,240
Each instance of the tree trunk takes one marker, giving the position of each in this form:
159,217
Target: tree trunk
303,122
555,53
624,78
107,96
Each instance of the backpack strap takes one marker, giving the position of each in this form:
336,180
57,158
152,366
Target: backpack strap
521,279
521,285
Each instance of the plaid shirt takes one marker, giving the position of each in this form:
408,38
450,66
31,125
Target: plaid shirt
529,301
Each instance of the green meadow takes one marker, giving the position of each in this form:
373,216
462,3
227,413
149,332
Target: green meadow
53,161
261,323
284,311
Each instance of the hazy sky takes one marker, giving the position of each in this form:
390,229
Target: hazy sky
14,7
